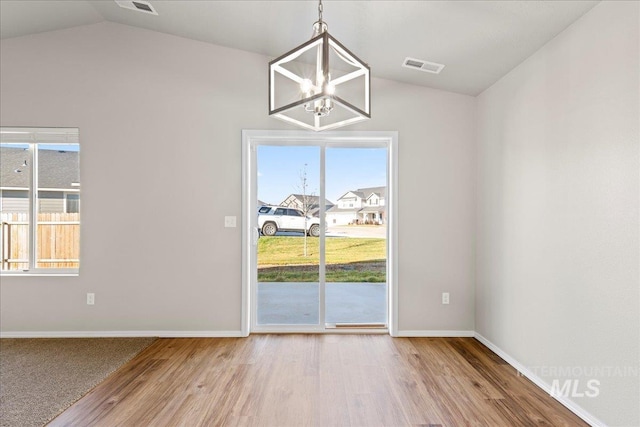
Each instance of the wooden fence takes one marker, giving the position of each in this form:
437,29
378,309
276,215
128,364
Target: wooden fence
58,240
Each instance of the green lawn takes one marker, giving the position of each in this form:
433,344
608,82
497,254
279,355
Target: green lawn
281,259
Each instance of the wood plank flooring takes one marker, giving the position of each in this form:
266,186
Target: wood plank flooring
317,380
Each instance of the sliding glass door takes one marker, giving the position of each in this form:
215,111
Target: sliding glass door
317,247
288,285
356,249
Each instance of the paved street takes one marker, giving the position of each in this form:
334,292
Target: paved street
374,231
377,231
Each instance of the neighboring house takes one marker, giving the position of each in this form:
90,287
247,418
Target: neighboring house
58,181
313,202
361,206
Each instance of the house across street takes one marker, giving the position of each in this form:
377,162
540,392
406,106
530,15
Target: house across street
361,206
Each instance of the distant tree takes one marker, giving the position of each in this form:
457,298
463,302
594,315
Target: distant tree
307,201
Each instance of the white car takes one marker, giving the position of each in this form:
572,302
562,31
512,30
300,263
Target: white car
272,219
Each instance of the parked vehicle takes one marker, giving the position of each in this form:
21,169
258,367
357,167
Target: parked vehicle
272,219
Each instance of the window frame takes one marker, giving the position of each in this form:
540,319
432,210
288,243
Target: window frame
35,138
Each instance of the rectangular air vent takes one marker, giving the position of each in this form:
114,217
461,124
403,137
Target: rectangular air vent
421,65
139,5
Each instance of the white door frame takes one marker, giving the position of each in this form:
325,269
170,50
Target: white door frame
335,139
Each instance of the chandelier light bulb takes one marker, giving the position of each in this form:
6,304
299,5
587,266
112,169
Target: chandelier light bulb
305,86
331,89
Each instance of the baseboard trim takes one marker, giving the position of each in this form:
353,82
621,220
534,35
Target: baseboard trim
435,334
121,334
566,402
197,334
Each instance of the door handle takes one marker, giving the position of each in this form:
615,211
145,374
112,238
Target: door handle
256,235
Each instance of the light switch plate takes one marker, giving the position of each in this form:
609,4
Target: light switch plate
229,221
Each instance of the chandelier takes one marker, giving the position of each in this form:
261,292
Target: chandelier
319,85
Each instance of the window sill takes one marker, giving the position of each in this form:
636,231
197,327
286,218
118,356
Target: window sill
39,273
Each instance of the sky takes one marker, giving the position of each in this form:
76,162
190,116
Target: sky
57,147
280,169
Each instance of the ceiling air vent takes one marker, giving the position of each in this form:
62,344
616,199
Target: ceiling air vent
139,5
420,65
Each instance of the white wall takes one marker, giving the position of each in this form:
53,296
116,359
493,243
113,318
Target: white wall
558,212
161,117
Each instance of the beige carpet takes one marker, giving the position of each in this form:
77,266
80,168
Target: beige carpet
40,378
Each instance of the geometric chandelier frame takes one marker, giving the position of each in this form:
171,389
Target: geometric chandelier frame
320,85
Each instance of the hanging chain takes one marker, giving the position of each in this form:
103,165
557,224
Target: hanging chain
319,26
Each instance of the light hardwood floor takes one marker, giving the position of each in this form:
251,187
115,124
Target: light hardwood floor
317,380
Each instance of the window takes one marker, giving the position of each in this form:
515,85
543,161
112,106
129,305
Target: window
72,203
39,201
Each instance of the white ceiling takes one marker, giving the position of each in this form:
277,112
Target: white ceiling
478,41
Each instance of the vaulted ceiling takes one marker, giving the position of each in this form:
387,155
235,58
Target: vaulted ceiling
477,41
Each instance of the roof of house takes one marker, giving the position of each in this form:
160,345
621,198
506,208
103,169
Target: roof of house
337,210
371,209
56,169
365,193
379,191
313,200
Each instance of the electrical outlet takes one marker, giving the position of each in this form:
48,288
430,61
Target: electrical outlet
445,297
91,299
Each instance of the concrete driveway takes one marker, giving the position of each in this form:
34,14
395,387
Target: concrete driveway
295,303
